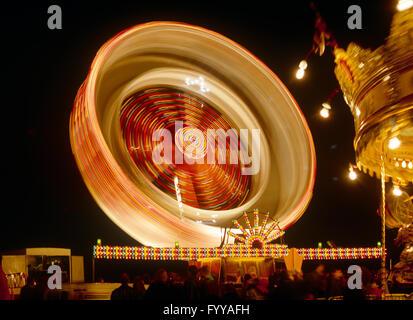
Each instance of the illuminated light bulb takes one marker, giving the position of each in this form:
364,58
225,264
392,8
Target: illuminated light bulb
300,73
404,4
404,164
394,143
303,65
358,112
352,174
325,113
396,191
397,164
410,165
176,180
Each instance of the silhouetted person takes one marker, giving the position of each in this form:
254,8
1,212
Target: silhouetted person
192,285
138,288
283,288
205,274
318,281
336,283
31,291
159,289
176,287
4,286
250,291
124,292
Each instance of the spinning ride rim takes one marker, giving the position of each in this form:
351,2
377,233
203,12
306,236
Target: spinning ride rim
112,181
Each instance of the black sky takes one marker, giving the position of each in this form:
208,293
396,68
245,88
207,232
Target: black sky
47,202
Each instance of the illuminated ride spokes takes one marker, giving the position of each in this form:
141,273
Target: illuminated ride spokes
256,236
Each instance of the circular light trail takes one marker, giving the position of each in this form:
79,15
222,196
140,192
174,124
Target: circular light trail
152,76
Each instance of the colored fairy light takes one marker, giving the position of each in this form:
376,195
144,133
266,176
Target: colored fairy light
232,251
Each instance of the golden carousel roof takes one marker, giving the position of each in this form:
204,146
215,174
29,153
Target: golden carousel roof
378,87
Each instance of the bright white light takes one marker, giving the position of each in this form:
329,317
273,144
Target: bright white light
410,165
303,64
176,180
396,191
358,112
404,4
352,174
300,73
394,143
404,164
324,112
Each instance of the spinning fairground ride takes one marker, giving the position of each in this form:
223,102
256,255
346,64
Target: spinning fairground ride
179,133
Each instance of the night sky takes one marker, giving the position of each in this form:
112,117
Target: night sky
47,202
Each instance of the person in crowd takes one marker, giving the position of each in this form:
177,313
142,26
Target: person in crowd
284,286
4,286
317,281
250,290
138,288
192,285
124,292
176,286
159,289
373,290
336,283
31,291
146,278
205,274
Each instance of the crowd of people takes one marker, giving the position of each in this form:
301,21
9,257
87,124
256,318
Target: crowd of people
200,285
